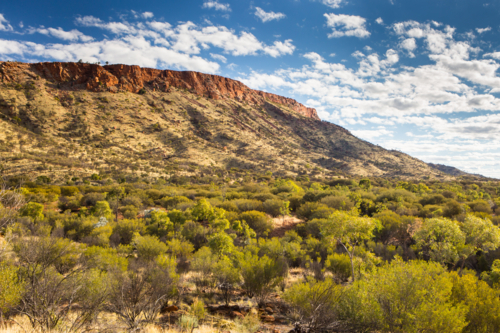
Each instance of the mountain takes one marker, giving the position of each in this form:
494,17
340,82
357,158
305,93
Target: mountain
65,120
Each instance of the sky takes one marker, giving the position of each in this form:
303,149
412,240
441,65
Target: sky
415,76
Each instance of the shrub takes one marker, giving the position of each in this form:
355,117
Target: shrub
396,195
104,259
229,206
125,230
245,205
315,303
263,196
33,210
258,221
129,212
273,207
90,199
260,275
436,199
170,202
339,265
69,191
339,203
307,209
11,288
148,247
132,200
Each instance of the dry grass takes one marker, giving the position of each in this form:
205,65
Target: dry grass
22,325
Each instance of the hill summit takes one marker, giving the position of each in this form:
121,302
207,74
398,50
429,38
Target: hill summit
71,120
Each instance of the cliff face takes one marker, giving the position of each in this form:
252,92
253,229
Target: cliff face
115,78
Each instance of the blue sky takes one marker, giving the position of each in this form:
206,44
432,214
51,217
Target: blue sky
416,76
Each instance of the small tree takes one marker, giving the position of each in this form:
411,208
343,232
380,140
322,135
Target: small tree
138,295
480,235
349,230
260,275
441,240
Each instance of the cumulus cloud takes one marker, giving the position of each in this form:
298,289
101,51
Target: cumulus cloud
219,57
4,24
334,3
379,20
217,6
381,131
151,44
268,16
481,30
73,35
346,25
409,45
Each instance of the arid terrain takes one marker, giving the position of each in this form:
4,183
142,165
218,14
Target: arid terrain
74,119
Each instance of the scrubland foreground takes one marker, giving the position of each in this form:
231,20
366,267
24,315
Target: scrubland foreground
250,254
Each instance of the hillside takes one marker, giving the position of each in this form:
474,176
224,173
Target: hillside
64,120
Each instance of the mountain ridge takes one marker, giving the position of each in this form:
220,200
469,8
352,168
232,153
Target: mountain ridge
74,119
132,78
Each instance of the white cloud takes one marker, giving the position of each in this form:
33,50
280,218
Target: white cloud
409,45
219,57
334,3
379,20
4,24
217,6
150,44
280,48
481,30
73,35
346,25
494,55
21,24
371,134
268,16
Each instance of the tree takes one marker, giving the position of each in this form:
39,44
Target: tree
441,240
101,208
138,294
227,276
349,230
480,235
413,297
285,209
220,244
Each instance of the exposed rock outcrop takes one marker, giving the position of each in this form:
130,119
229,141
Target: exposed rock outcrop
115,78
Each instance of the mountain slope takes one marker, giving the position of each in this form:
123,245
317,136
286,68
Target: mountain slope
73,120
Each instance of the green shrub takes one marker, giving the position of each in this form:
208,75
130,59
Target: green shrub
90,199
307,209
273,207
125,230
148,247
69,191
339,203
170,202
260,275
104,258
258,221
245,205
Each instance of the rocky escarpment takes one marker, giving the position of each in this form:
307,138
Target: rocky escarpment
115,78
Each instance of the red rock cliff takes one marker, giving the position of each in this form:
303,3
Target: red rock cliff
116,78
